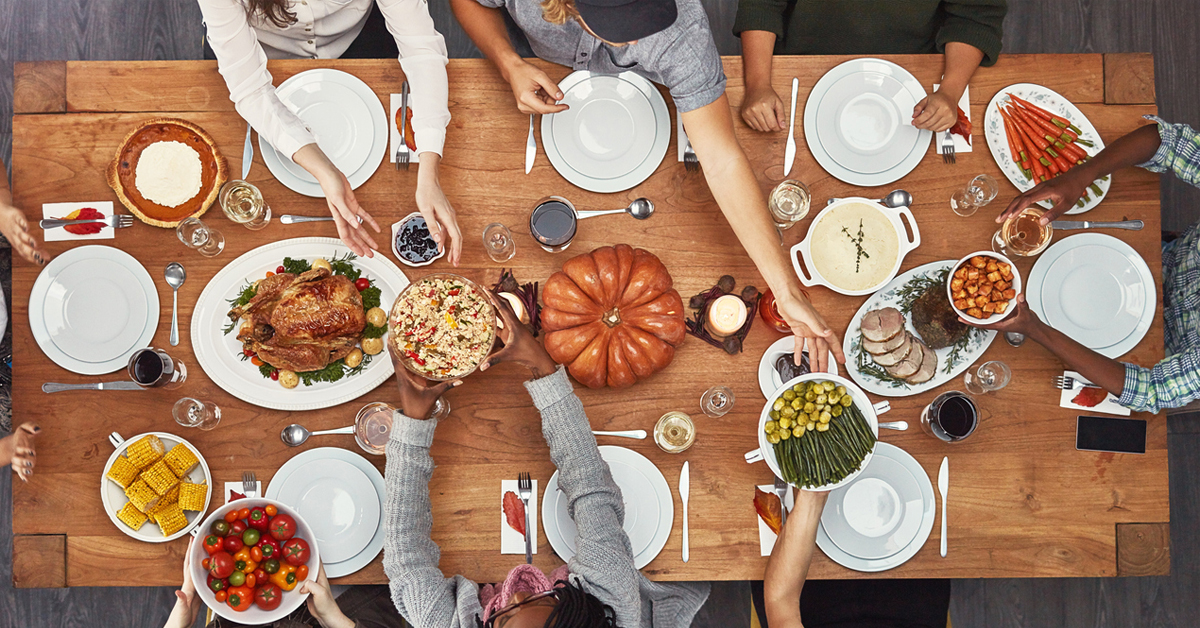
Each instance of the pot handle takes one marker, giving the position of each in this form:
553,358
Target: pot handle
116,440
753,456
912,223
882,406
803,249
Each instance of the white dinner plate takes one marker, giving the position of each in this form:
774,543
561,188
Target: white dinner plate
93,307
614,135
347,119
219,353
338,502
768,377
857,122
1052,101
114,499
878,514
919,505
1095,289
375,545
649,506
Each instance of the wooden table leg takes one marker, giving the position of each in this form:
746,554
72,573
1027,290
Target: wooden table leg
40,87
1143,549
1129,78
39,561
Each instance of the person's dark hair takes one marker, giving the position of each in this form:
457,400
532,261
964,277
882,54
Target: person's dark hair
577,608
274,10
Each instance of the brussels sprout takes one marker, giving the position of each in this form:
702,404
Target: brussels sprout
846,401
773,438
774,414
828,386
771,426
823,427
822,399
798,431
787,411
825,417
809,407
785,434
797,404
836,410
810,426
789,395
778,405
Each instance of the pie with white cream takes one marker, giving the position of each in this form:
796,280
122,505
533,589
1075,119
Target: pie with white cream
166,170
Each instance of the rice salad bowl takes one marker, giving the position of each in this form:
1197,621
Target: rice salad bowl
442,326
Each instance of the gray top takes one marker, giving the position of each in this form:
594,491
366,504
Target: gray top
683,57
602,566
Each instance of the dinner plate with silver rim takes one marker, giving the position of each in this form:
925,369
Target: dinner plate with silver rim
863,136
375,545
323,88
91,308
613,136
649,507
1094,287
220,354
927,512
338,502
768,377
878,514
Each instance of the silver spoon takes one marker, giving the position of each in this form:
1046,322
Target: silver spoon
175,275
894,199
640,208
894,425
624,434
294,435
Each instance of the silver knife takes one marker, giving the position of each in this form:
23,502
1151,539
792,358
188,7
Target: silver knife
944,488
247,154
684,486
53,387
530,147
290,219
1131,225
789,154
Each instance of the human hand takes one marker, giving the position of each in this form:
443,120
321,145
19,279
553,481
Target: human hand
321,603
350,218
16,229
1022,321
436,209
519,344
17,449
187,603
534,90
1064,191
936,112
763,110
418,396
810,331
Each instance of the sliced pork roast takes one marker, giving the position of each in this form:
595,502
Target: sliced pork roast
897,355
928,368
882,325
911,363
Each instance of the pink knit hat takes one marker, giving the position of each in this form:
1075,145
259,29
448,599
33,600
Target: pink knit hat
522,578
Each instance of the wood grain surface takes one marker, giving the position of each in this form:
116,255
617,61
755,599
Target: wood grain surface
1129,78
1023,501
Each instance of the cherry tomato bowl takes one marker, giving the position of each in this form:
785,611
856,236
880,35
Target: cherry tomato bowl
254,615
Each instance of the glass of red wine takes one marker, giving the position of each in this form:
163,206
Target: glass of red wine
552,223
951,417
153,368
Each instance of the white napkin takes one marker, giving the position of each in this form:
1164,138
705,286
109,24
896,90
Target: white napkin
394,134
237,486
1108,406
511,541
62,210
766,538
960,144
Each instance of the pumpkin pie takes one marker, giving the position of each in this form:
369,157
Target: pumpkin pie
166,170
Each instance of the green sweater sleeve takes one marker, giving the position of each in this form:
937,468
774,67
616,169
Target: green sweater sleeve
979,23
760,15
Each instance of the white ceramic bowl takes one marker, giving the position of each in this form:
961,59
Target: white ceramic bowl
254,615
1012,303
396,227
767,450
905,245
395,341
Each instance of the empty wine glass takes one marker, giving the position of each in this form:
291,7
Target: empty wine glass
789,203
498,242
979,192
717,401
197,235
987,377
190,412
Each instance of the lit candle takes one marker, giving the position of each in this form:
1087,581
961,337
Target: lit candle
726,315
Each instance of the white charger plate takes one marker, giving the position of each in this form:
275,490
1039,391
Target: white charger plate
614,135
218,354
375,545
649,506
91,308
1097,290
338,501
1052,101
887,297
346,117
863,135
927,513
113,496
768,377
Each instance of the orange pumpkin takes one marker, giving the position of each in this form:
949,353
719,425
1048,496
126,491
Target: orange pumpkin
612,317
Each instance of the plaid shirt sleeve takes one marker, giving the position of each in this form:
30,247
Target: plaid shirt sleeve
1179,151
1173,382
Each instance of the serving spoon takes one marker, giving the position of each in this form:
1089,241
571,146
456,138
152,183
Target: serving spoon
895,199
175,276
294,435
640,208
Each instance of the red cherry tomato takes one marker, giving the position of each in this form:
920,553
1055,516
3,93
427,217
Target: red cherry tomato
221,595
278,270
275,375
260,575
232,544
244,513
231,516
362,284
237,528
272,510
221,565
302,572
205,563
248,353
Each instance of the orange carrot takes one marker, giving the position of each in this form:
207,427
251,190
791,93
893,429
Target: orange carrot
1015,147
1057,120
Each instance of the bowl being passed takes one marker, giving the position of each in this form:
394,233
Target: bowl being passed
767,450
254,615
427,310
418,249
1015,287
855,245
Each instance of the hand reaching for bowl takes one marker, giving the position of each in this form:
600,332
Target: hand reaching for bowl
417,394
518,344
811,332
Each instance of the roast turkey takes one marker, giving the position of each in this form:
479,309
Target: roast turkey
302,322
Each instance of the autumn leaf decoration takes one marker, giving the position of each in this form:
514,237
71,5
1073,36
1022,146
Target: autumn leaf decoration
514,512
768,507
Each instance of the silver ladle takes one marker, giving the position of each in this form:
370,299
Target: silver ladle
294,435
640,208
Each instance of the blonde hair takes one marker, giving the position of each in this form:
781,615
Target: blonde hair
558,11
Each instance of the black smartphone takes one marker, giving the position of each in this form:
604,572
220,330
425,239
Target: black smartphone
1122,436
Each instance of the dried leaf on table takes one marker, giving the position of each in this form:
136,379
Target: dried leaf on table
769,508
514,512
1090,397
962,126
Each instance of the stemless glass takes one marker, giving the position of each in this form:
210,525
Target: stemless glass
553,222
717,401
197,235
190,412
243,203
1021,235
674,432
951,417
153,368
987,377
979,192
789,203
498,242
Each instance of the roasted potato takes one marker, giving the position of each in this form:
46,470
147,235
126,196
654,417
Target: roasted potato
976,312
982,287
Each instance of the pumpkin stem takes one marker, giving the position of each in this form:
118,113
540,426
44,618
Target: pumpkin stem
612,318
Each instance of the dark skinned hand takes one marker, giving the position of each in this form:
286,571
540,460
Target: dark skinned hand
519,345
417,394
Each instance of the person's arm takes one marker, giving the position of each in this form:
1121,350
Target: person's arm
970,35
15,228
17,449
1172,383
759,23
732,183
787,568
939,110
534,90
187,603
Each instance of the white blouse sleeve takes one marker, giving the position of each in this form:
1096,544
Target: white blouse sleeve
243,64
423,59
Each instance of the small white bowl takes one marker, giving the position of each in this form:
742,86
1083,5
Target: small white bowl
1012,303
396,227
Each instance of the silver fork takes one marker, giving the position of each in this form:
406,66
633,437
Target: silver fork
781,489
525,489
948,148
690,162
1068,383
402,148
249,483
116,221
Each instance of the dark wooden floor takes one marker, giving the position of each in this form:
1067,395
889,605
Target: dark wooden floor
170,29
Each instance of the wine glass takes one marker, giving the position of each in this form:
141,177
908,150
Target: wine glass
979,192
951,417
190,412
153,368
717,401
1022,235
197,235
243,203
789,203
987,377
498,242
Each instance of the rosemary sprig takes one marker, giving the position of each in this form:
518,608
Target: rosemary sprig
861,252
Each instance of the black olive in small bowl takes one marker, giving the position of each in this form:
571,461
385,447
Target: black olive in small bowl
411,242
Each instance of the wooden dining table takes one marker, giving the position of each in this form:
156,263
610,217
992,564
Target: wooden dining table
1023,502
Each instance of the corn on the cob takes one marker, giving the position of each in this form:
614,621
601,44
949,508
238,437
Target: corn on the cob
171,520
122,472
141,495
159,477
181,460
131,516
191,496
145,452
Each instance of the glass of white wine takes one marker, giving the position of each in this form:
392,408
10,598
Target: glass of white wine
1022,235
789,203
243,203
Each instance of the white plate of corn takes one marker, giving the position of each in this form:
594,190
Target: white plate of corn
155,487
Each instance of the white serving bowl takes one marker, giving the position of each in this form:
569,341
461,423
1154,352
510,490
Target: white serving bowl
254,615
1012,303
905,244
